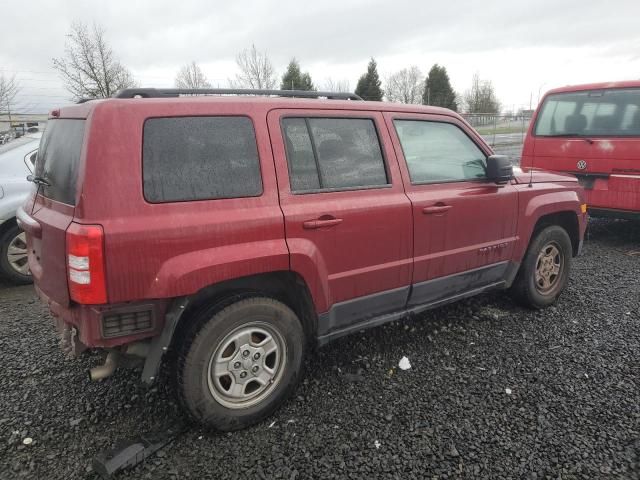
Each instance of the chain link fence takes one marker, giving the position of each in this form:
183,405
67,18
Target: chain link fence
505,133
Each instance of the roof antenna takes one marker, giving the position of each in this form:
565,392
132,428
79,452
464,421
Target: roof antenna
530,176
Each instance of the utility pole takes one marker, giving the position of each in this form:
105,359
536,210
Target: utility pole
9,111
539,90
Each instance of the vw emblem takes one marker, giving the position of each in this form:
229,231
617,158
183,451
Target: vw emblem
582,165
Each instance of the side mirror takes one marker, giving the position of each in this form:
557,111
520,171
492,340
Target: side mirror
499,169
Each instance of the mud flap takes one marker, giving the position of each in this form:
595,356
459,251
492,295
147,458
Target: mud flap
160,344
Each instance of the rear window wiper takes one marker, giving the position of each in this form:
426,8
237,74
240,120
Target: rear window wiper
38,180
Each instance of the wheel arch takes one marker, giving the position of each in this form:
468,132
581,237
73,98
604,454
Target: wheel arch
568,220
285,286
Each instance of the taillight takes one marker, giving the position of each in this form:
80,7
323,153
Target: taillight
85,264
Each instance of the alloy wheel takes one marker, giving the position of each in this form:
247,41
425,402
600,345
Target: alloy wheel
17,254
549,268
247,365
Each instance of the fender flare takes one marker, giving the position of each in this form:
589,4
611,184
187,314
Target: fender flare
540,206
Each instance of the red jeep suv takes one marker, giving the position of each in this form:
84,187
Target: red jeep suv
238,230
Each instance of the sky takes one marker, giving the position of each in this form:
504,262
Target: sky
523,48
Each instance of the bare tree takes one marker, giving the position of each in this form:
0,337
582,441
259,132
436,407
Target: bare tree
8,90
256,70
89,68
405,86
331,85
192,76
481,97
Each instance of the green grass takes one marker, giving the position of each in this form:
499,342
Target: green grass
490,130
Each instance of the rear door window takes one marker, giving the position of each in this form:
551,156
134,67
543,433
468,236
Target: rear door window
333,154
59,158
200,158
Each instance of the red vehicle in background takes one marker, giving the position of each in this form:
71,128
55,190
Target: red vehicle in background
592,131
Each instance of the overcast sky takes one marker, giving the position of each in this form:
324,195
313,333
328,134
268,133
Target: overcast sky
522,49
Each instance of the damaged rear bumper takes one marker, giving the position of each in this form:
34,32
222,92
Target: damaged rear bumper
105,326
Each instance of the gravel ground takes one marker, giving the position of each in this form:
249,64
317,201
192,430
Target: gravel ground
494,391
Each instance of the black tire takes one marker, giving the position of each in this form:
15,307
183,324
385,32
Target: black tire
530,289
203,395
6,270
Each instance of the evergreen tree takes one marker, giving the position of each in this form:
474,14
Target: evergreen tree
437,89
294,79
369,84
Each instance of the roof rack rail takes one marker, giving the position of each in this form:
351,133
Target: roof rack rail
176,92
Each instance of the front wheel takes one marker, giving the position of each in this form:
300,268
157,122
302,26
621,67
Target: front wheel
544,272
239,363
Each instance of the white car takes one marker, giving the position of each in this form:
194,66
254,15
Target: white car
16,162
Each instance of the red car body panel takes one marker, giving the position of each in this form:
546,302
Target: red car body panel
47,247
611,165
156,252
370,250
480,216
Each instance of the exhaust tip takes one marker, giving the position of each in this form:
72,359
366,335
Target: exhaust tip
105,370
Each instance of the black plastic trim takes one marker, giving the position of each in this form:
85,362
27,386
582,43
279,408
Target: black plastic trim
160,343
493,277
176,92
128,309
354,311
444,287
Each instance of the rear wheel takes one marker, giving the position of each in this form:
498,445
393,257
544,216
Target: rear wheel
240,362
544,272
14,264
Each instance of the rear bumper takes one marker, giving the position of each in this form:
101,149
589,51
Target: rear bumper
94,324
612,213
612,193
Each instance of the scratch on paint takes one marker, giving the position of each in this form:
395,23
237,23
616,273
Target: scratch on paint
606,145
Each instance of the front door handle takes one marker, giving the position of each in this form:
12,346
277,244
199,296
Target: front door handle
436,209
321,223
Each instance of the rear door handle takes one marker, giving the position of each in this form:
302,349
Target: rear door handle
321,223
436,209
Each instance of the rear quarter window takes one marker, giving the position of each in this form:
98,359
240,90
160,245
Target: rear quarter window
200,158
59,158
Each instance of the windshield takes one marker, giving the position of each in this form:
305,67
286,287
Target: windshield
614,112
59,158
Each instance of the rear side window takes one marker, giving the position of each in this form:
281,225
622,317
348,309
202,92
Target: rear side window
613,112
59,158
439,152
333,154
200,158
